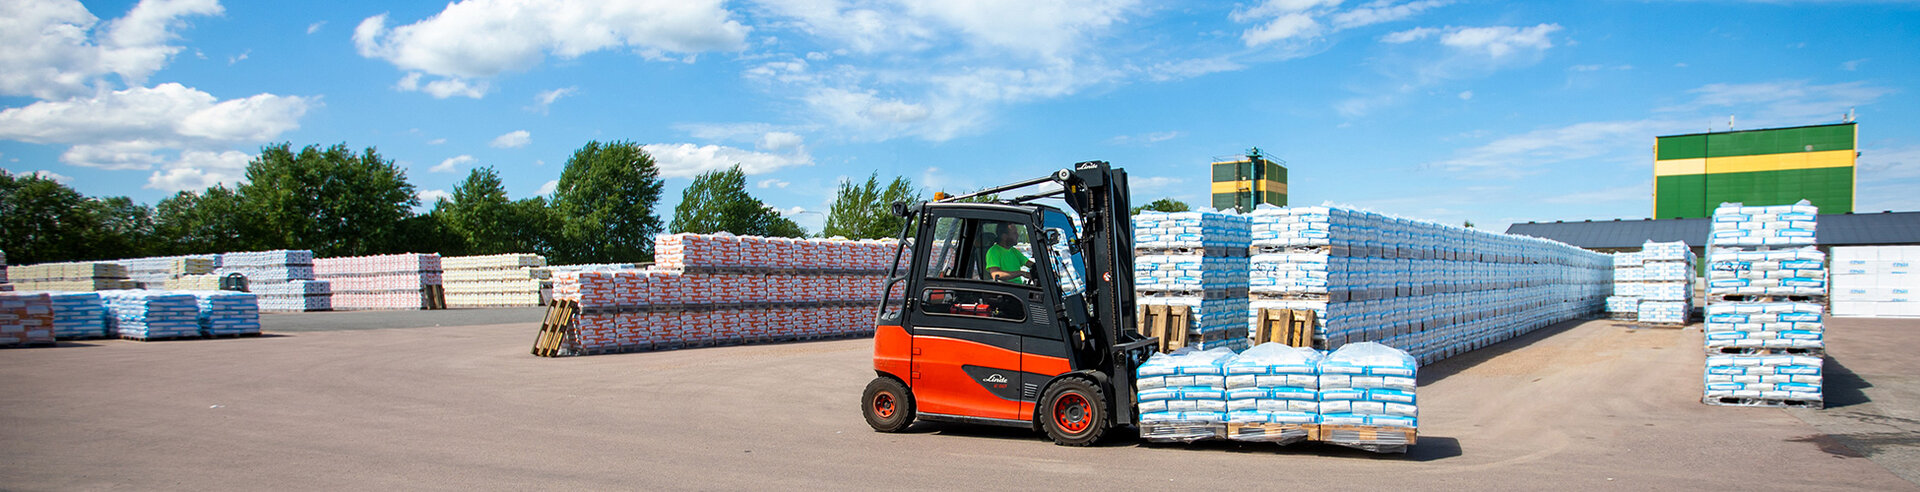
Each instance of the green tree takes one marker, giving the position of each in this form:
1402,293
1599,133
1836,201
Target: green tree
718,201
211,221
331,201
865,211
605,199
43,221
1163,205
478,214
121,229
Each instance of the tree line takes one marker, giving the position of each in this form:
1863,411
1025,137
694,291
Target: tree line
339,202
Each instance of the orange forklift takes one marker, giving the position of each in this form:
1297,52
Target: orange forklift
1009,313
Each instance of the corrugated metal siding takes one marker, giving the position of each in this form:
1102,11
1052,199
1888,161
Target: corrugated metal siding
1680,196
1831,188
1680,147
1780,141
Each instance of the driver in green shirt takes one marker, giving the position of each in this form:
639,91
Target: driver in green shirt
1004,263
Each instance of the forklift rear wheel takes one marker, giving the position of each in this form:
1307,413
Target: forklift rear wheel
887,404
1074,413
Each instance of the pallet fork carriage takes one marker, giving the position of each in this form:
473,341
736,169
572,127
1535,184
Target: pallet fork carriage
1050,346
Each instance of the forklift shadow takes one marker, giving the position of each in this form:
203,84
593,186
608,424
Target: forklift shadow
1430,448
976,431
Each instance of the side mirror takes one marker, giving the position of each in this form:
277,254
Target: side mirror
1055,237
900,209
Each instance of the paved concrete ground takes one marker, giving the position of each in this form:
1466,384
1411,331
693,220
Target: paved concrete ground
1577,406
373,320
1873,394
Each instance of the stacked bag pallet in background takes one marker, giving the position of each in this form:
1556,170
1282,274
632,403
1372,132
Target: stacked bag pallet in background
225,313
1628,275
509,280
720,289
152,314
1198,260
156,272
1362,395
78,315
26,319
1666,295
1429,289
379,282
69,277
1767,286
1876,281
283,280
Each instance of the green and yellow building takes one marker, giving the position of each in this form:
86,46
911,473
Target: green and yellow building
1693,174
1249,182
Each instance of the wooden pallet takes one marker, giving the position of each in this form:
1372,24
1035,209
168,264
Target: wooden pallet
1274,433
1293,327
433,297
556,328
1811,352
1371,438
1167,323
1662,326
1732,401
1181,431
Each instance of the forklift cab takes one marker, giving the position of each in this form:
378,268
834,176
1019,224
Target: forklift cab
960,345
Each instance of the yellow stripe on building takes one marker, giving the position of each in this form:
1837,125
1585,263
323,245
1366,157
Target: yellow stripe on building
1245,185
1677,167
1778,162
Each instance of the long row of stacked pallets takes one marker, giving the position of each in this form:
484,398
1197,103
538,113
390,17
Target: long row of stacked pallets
719,289
1767,290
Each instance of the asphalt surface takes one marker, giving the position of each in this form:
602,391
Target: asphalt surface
373,320
1578,406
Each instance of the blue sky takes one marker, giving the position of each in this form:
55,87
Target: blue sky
1493,112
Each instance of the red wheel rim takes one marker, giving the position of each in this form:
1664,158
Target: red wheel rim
1072,413
883,405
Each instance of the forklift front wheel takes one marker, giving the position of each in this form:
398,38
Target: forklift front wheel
887,404
1074,413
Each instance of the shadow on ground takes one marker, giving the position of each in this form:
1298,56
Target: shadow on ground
1458,363
1429,448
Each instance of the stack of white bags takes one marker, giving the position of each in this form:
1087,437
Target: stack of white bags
1198,260
1362,384
379,282
283,279
1765,332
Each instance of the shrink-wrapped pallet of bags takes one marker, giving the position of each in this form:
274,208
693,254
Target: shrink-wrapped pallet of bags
1273,383
1183,394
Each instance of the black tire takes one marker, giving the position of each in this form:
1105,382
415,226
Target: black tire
887,404
1074,413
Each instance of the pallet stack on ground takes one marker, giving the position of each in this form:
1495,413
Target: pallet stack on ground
1876,281
1198,260
1429,289
1667,274
1628,276
1766,283
26,319
283,279
152,314
78,315
69,277
193,282
509,280
380,282
226,313
1362,395
155,272
796,290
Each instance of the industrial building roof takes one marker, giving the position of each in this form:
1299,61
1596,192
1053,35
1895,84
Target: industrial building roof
1832,230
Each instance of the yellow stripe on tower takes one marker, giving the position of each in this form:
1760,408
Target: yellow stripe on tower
1779,162
1677,167
1245,185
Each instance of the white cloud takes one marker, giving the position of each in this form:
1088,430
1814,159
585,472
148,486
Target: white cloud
685,160
1889,164
1145,138
443,88
478,39
548,187
109,128
1185,69
1780,103
512,140
429,197
1295,22
1851,65
1466,95
779,142
1410,35
50,54
437,141
52,176
1638,191
1500,41
201,169
772,183
452,163
545,99
315,27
